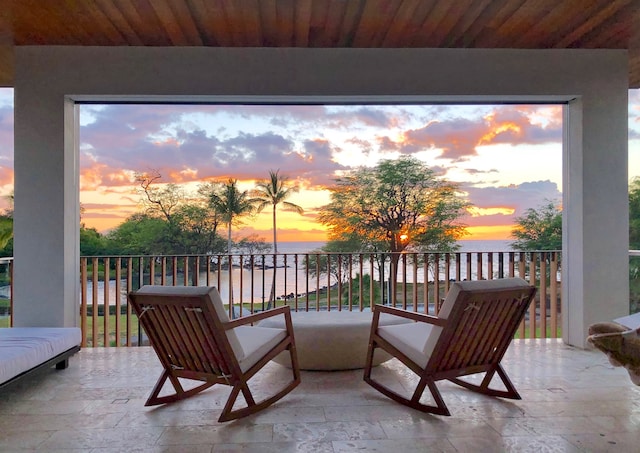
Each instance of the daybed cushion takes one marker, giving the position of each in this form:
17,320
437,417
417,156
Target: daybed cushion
23,348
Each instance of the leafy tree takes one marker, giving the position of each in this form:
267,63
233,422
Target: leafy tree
397,204
253,245
190,226
159,200
322,263
163,202
335,267
272,192
92,243
634,244
139,234
6,230
634,214
539,229
366,281
196,229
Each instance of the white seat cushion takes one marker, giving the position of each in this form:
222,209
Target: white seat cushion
411,339
256,342
452,296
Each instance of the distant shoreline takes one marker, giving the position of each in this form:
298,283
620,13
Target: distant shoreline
466,245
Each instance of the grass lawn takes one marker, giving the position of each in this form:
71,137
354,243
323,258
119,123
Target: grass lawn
527,331
112,330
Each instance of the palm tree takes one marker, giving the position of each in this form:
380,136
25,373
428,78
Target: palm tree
231,204
275,191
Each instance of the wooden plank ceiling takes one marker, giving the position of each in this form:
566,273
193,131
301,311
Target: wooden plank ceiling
526,24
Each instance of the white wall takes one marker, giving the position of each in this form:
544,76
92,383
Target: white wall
594,83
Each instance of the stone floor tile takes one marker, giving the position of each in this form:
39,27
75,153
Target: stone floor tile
276,447
435,426
158,449
123,438
434,445
605,443
328,431
520,444
370,413
544,426
281,412
54,422
221,433
16,440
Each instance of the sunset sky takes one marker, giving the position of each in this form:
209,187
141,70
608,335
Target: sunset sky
506,158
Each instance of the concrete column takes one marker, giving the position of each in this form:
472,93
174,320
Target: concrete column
46,218
595,275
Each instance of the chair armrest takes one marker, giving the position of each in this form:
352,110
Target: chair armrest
420,317
285,310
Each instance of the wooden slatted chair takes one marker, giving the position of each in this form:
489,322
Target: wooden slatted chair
470,335
194,339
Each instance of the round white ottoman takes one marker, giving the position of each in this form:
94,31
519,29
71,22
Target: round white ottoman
334,340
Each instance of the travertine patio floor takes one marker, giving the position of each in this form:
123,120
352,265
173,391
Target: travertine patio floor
573,400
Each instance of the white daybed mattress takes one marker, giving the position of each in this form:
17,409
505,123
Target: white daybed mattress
23,348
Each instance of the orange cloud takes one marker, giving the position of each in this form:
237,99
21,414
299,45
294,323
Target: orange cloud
6,176
498,129
99,175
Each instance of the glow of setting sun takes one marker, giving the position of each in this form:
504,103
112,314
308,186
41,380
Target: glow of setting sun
489,233
475,211
488,137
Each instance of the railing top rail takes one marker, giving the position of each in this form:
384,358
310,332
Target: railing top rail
320,252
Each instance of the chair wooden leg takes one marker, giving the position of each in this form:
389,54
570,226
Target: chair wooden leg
295,366
509,392
439,409
179,394
227,410
229,414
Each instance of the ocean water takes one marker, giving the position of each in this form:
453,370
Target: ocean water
465,246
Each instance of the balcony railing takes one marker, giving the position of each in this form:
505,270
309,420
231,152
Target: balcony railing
310,281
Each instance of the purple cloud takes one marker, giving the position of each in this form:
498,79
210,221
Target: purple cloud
516,198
